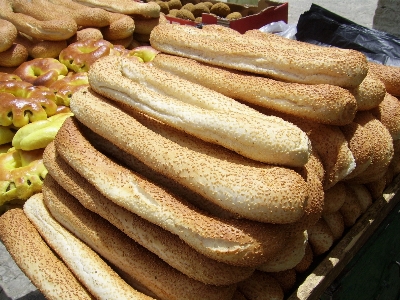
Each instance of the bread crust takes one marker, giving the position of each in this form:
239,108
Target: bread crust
253,190
8,34
149,10
185,106
388,112
370,93
90,268
36,259
321,103
219,239
36,21
165,245
109,242
380,143
224,47
389,75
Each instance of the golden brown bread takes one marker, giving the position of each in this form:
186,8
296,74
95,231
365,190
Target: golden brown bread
330,145
320,237
351,209
34,20
307,260
37,260
136,165
148,10
334,198
165,245
358,140
225,47
327,104
92,271
261,285
363,195
335,223
109,242
248,188
369,93
380,141
388,112
287,279
290,256
190,107
223,240
8,34
390,76
315,202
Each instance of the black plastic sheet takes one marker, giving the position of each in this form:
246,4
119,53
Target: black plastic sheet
320,26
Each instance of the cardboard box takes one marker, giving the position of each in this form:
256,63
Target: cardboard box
254,17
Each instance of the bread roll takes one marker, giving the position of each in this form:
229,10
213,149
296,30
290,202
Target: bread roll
222,240
165,245
109,242
226,48
287,279
363,195
307,260
290,256
261,286
330,145
335,222
351,209
381,144
388,113
253,190
92,271
360,146
184,105
334,198
315,202
389,75
327,104
37,260
137,166
320,237
370,93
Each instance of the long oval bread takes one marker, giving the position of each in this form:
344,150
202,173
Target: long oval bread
321,103
222,240
37,260
342,67
164,244
185,106
92,271
253,190
109,242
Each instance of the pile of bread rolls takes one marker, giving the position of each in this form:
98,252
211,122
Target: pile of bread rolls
42,28
219,170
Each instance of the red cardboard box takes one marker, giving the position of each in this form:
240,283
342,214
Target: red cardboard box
254,17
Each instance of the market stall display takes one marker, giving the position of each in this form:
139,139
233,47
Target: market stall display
231,192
